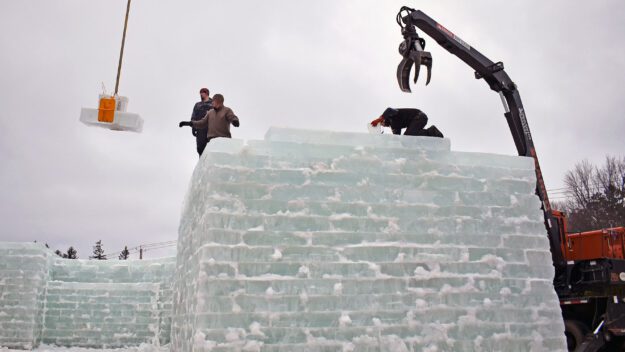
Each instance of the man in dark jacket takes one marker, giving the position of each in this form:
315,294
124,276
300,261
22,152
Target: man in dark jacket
217,120
199,111
413,120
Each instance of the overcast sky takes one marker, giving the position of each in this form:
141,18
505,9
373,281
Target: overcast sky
326,64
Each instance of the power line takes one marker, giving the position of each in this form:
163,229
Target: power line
592,184
142,248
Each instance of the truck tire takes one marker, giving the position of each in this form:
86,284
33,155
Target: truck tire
575,332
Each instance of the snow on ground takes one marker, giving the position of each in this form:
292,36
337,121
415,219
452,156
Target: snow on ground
141,348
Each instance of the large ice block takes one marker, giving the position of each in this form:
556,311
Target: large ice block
321,137
112,115
123,121
334,241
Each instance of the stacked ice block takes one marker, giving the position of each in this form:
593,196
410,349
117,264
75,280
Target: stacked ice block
322,241
87,303
108,303
23,277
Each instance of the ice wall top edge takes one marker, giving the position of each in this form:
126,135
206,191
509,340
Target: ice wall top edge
24,245
113,261
294,135
289,143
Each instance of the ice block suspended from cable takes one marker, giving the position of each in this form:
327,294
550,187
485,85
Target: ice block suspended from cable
112,115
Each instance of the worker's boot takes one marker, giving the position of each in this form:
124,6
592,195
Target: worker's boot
434,132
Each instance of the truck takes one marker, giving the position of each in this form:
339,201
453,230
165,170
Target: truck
589,266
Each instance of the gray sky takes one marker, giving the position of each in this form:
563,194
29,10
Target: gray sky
320,64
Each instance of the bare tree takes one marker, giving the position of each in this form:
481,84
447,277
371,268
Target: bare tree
596,195
579,184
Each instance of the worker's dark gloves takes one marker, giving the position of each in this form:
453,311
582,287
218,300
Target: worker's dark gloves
235,123
185,123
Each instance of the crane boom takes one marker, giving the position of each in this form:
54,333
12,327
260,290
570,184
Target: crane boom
412,50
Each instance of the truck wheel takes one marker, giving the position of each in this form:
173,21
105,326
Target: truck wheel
575,332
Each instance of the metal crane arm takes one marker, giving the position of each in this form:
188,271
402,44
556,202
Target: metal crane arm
413,53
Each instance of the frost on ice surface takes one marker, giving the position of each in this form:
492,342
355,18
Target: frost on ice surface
255,329
200,342
344,320
393,343
277,255
338,288
303,271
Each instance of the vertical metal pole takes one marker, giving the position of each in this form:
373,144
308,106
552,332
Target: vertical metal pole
121,52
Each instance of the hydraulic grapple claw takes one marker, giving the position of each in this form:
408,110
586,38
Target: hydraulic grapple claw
416,58
417,67
426,60
412,52
403,74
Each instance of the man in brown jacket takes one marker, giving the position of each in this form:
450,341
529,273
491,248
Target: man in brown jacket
218,120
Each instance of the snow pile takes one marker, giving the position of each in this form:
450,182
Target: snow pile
322,241
82,303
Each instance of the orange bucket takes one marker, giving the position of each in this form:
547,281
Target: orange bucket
106,111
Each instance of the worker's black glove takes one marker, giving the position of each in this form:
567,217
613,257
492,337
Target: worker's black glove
185,123
235,123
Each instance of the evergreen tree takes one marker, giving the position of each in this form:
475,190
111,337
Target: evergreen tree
98,252
124,254
71,253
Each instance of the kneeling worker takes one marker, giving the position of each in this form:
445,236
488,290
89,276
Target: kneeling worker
218,120
413,120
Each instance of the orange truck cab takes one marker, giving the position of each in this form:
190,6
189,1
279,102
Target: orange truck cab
597,244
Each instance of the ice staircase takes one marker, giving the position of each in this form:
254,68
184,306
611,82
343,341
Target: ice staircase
322,241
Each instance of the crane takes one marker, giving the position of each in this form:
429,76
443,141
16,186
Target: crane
590,266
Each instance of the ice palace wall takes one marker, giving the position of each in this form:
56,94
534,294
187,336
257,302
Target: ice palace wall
324,241
315,241
84,303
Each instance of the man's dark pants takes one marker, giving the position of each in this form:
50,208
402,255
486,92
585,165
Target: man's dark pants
415,128
201,140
